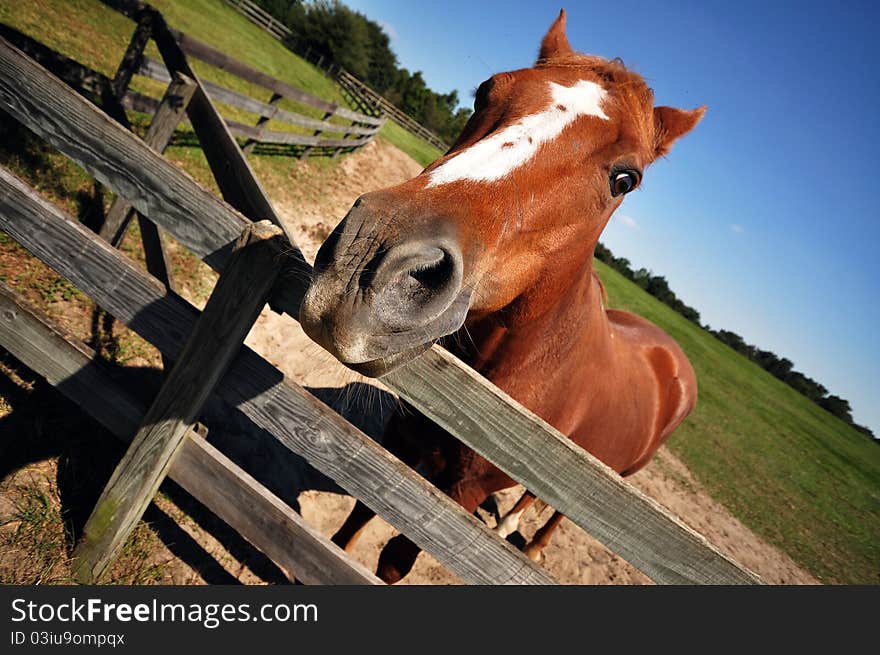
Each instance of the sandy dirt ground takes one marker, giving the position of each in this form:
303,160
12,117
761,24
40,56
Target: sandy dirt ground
572,557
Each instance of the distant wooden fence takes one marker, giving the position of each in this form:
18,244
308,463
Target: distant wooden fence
439,385
261,17
338,130
370,97
368,100
357,130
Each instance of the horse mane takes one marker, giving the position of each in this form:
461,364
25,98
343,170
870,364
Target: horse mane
613,71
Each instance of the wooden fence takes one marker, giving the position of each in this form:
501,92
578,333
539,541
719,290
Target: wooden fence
261,17
338,130
368,100
443,388
369,97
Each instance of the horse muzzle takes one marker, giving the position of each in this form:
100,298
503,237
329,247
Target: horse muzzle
383,293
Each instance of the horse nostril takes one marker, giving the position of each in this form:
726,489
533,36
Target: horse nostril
433,271
415,283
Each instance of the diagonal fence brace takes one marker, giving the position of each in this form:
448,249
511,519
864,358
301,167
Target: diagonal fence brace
241,292
170,112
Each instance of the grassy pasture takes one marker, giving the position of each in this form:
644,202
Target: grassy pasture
800,477
792,472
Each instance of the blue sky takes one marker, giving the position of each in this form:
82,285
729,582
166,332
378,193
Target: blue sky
765,217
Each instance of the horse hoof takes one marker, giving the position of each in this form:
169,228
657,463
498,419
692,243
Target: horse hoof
535,554
389,574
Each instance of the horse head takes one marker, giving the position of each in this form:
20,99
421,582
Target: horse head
504,221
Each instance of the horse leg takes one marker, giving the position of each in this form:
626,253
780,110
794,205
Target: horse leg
400,553
542,537
509,524
347,535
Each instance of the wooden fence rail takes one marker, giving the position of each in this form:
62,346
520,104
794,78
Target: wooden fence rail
354,129
297,419
372,98
233,308
203,471
261,17
482,417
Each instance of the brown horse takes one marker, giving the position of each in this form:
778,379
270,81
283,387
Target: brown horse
494,242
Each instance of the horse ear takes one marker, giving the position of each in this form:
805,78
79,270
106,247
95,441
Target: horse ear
555,43
671,123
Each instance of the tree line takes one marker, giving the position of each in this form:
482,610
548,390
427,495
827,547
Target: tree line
780,367
361,46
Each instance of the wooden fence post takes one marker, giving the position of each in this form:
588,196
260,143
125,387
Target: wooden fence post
158,136
209,476
234,176
308,149
344,136
131,60
250,143
242,290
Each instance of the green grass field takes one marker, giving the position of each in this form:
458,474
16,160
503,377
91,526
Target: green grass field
792,472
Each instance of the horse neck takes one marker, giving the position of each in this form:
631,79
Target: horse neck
540,328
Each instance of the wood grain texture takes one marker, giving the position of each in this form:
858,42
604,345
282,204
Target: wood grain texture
204,472
667,551
562,474
296,418
117,158
218,335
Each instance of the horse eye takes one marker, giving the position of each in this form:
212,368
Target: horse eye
623,182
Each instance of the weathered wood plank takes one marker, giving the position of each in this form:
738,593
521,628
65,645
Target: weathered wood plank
296,418
562,474
218,335
117,158
660,558
133,55
290,138
203,471
168,115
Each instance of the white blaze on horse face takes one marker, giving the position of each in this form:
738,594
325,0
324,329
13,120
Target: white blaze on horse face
497,155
